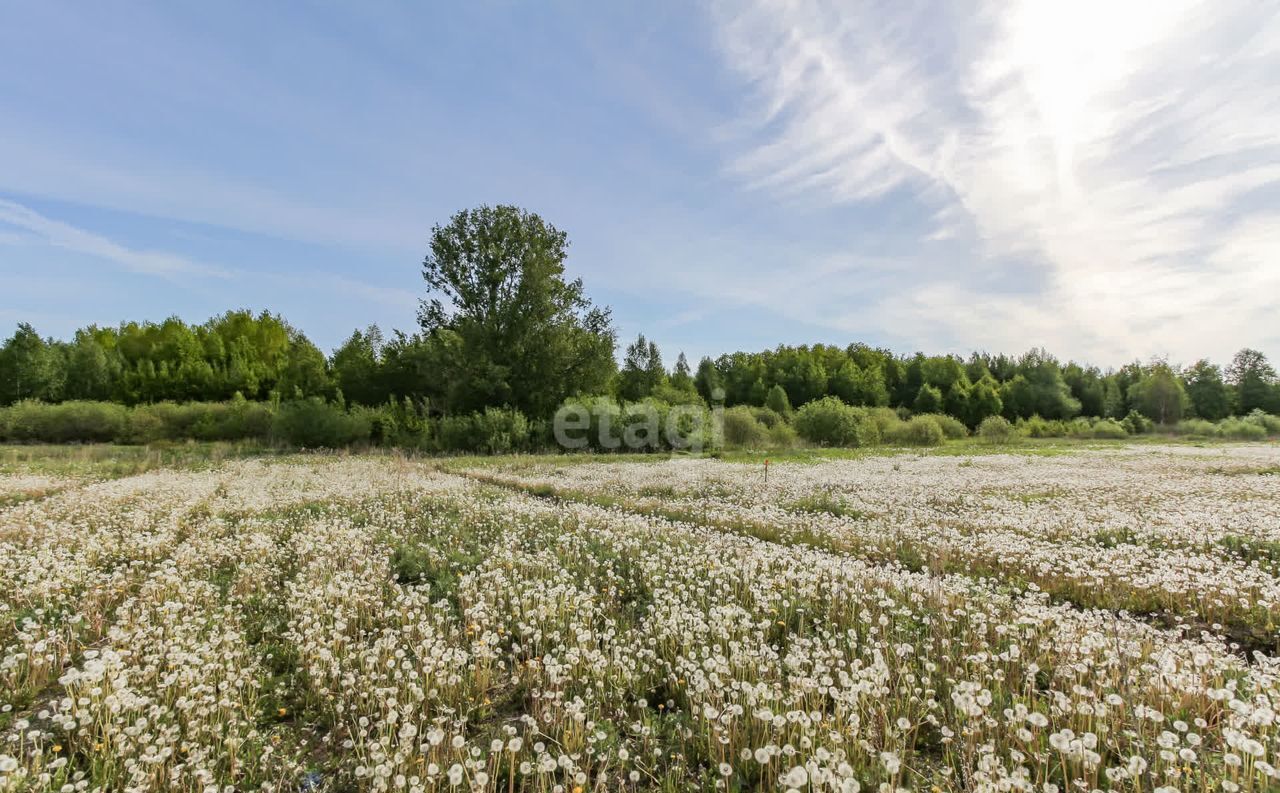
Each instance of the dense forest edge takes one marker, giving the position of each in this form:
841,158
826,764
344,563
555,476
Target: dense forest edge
505,340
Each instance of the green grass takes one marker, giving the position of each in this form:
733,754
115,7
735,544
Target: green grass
111,461
824,503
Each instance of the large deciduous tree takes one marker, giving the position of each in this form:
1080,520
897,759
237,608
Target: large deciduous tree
526,336
1254,379
1159,395
1209,395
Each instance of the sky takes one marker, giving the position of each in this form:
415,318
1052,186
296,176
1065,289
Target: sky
1098,178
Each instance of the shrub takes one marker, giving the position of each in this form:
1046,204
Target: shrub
81,422
1036,427
919,431
145,425
1196,427
1241,430
768,417
951,427
495,431
455,433
1268,422
868,432
742,430
1135,423
1080,427
1109,428
315,424
996,429
829,422
238,419
884,419
500,430
603,410
783,436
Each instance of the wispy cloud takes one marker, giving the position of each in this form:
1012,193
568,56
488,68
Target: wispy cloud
1124,151
69,237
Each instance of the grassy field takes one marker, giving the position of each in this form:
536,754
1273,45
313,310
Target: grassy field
1051,616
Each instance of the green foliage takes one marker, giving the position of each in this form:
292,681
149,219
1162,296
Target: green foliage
1135,423
642,371
928,400
238,419
1241,430
1269,423
1159,395
919,431
1254,380
742,430
1208,393
984,401
30,368
1196,427
996,430
858,385
356,367
503,328
883,420
493,431
830,422
800,371
1037,427
708,382
1038,389
777,401
943,372
1087,387
523,335
1110,429
783,436
951,427
315,424
80,422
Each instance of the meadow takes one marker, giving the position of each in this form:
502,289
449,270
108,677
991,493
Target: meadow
1047,617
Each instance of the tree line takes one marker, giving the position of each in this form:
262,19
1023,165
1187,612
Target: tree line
502,327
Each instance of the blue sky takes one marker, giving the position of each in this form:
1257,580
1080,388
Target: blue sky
1102,179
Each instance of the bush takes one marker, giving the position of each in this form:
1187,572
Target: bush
919,431
951,427
500,431
1036,427
830,422
768,417
1241,430
742,430
884,420
1269,423
81,422
238,419
1196,428
783,436
1080,427
996,429
1109,428
495,431
1135,423
316,424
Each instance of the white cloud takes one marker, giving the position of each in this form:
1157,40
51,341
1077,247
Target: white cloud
1122,151
64,235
